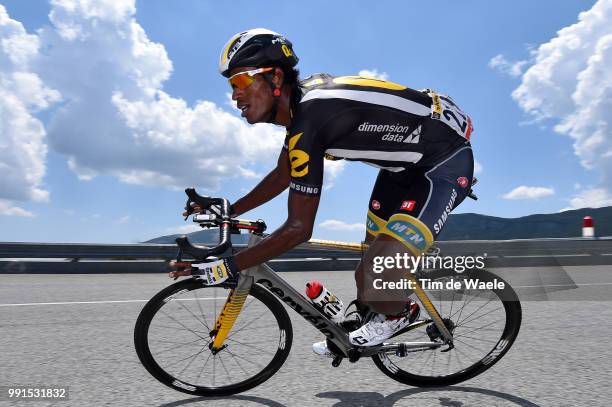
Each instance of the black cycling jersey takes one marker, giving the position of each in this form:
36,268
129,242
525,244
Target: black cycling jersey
381,123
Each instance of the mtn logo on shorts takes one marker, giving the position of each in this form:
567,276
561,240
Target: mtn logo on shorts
408,232
462,182
372,227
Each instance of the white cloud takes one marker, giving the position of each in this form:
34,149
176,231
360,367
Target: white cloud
512,68
571,83
477,168
23,149
590,198
116,118
338,225
525,192
124,219
333,169
373,73
8,209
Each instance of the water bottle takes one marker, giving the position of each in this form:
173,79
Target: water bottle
328,303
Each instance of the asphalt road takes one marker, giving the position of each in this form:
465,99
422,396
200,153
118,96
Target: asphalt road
76,331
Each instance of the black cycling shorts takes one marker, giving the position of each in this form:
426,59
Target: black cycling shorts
413,205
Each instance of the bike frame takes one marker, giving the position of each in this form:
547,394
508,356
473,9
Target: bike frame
265,276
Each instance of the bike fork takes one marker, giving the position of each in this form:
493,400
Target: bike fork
230,311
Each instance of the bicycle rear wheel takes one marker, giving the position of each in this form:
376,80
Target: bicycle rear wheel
484,323
172,339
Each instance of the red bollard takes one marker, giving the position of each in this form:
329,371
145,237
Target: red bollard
587,227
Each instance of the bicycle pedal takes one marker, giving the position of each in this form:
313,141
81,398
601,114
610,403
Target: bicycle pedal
336,361
354,355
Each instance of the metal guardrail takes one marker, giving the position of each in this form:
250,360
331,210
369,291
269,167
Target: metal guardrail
139,251
151,258
70,258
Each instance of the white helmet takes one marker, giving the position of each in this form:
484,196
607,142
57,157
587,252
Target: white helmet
257,47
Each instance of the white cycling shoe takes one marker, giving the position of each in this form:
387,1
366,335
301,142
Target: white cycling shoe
381,327
320,348
378,329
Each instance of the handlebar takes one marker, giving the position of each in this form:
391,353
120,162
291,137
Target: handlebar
221,218
205,202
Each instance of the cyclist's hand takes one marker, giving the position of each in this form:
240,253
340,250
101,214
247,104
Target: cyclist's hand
211,272
213,210
183,269
195,208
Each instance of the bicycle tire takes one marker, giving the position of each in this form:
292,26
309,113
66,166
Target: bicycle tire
513,313
148,360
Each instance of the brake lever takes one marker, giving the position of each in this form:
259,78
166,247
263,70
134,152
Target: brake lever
188,209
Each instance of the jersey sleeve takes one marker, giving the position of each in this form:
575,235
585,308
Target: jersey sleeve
305,159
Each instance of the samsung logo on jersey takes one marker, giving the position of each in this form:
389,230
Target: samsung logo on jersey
305,189
379,128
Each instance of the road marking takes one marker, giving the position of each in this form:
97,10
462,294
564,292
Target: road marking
101,302
560,285
525,256
543,256
606,254
223,298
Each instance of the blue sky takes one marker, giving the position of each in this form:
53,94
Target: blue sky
123,106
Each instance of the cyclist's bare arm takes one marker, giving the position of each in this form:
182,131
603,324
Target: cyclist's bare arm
273,184
296,229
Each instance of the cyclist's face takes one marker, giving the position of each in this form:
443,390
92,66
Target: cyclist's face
255,100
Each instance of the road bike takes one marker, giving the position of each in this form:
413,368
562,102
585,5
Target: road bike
188,341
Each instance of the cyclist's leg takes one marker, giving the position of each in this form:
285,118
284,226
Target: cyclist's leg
392,192
393,254
418,215
379,210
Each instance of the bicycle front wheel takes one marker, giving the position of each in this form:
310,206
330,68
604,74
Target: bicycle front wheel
173,336
483,317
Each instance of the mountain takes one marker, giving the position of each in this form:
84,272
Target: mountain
471,226
210,236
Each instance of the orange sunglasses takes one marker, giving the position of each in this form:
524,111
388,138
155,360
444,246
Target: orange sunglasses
243,80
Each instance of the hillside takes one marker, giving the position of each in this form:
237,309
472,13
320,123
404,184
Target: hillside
470,226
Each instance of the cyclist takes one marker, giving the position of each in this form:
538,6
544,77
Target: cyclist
418,139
